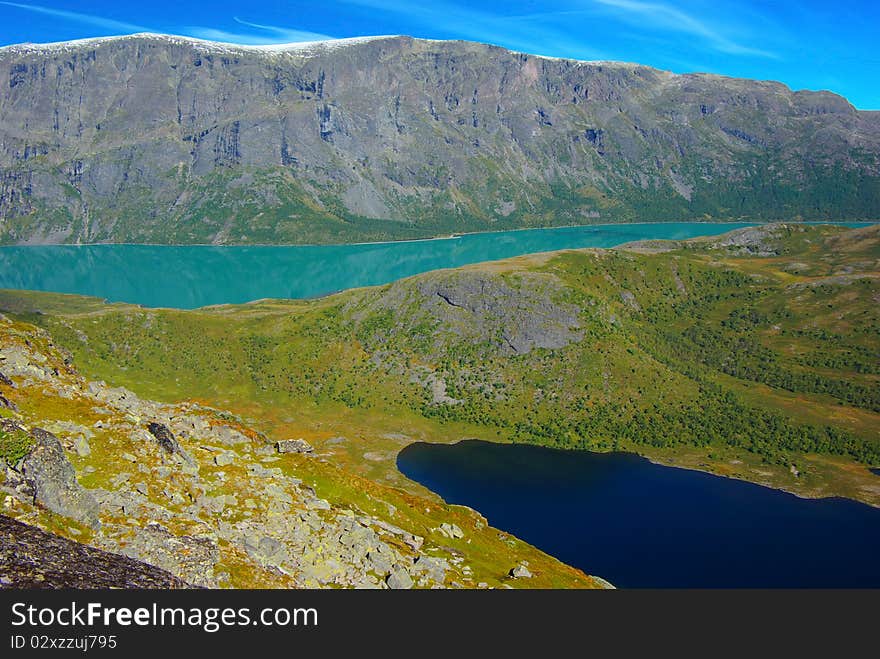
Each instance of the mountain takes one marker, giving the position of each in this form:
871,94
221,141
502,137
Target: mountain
151,138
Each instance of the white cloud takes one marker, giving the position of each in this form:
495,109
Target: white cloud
275,34
87,19
455,19
667,17
284,34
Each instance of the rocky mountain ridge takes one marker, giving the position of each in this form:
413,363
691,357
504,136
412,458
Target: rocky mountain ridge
150,138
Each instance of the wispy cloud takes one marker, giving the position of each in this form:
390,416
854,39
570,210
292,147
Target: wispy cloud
261,34
451,19
555,29
286,33
271,34
78,17
667,17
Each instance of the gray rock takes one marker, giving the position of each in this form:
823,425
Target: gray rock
451,530
267,550
191,558
380,560
81,446
399,579
229,436
520,572
19,361
293,446
223,459
53,480
432,567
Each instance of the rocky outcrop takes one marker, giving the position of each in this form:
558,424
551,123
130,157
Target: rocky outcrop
49,478
491,312
33,558
212,143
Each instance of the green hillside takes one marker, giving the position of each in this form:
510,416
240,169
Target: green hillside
754,354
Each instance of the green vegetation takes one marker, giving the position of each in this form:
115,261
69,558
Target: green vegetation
697,351
14,445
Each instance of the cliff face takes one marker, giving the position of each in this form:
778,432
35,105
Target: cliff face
161,139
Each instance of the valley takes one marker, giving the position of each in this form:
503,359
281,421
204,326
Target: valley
751,355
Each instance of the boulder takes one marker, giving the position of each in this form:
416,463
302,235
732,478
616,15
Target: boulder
164,436
451,530
53,479
230,436
293,446
520,572
399,580
191,558
432,567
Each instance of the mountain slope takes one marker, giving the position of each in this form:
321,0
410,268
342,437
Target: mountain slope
195,492
162,139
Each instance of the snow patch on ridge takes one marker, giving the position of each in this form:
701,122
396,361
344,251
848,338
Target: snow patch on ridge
298,48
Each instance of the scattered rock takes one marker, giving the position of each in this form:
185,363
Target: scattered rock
293,446
229,436
432,567
223,459
450,530
81,446
188,557
399,580
520,572
267,550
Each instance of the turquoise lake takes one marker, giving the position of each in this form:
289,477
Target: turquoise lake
186,277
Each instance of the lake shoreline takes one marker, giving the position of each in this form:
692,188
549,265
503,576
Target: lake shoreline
191,276
452,236
660,462
641,524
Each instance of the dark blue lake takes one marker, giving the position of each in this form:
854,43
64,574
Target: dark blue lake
637,524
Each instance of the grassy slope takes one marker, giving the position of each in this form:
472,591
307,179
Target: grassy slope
748,366
489,552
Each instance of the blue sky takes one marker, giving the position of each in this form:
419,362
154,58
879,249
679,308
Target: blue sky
807,44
